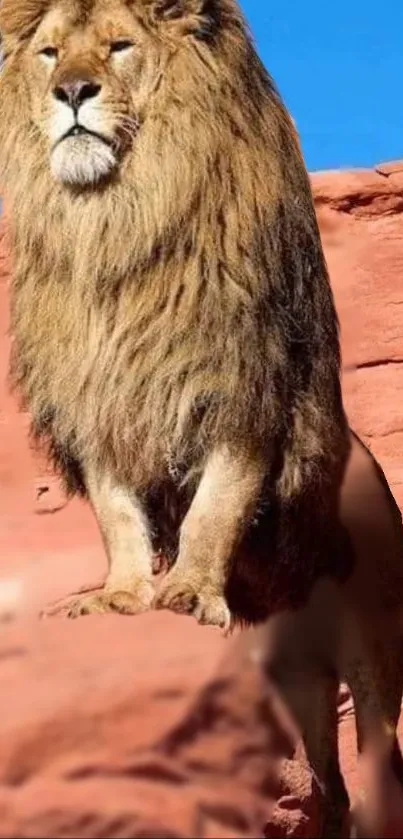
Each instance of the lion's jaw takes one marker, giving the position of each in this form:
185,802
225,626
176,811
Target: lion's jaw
82,150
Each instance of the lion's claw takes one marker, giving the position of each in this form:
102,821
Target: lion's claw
207,607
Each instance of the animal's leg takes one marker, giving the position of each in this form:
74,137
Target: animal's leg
310,693
128,588
219,514
375,677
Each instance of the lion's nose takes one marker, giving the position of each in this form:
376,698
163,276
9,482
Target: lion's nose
74,93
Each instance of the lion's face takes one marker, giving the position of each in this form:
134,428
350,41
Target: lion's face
88,79
85,78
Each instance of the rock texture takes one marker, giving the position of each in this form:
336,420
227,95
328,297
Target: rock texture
155,727
360,215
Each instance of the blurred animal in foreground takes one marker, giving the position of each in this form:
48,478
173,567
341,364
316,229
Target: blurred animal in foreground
351,632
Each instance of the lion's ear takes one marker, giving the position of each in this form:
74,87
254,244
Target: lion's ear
197,15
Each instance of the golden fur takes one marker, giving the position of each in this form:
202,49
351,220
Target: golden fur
182,303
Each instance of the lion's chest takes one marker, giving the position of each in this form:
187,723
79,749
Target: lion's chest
123,379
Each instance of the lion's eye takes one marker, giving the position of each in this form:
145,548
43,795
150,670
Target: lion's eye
49,52
121,46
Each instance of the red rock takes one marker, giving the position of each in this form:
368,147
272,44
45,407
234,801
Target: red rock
151,727
360,214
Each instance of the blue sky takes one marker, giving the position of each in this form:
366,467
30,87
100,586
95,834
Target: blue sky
339,68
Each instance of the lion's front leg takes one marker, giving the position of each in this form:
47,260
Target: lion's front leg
128,588
219,514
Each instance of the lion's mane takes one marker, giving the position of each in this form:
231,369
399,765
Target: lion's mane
187,302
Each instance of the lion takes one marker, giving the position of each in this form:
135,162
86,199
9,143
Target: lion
175,338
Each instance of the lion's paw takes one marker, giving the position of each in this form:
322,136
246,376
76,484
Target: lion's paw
117,601
183,598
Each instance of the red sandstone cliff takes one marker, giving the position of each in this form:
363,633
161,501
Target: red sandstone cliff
100,733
